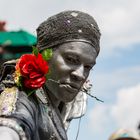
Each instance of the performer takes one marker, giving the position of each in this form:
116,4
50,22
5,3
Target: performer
36,107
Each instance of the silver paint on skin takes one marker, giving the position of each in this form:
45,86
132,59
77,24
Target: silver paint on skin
70,66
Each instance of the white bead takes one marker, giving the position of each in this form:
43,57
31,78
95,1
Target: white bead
68,21
80,31
74,14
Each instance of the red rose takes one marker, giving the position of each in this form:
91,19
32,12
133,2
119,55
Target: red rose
33,70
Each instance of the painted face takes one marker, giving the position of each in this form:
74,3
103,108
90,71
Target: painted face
70,66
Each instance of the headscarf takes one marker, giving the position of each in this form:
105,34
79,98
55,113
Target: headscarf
68,26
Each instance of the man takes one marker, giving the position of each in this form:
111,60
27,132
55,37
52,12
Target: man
74,38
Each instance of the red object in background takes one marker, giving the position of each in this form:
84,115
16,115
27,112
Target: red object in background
2,26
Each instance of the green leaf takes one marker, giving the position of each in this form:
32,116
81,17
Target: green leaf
30,92
19,84
48,74
35,51
47,54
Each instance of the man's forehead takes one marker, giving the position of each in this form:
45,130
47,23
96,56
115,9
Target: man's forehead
84,51
76,46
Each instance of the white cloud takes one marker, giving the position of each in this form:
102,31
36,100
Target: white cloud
106,83
119,21
124,113
98,118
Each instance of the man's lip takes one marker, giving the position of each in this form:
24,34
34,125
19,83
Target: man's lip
75,86
69,88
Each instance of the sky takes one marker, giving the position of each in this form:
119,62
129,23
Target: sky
115,77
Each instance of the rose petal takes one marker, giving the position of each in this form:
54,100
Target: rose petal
25,58
34,83
35,75
43,65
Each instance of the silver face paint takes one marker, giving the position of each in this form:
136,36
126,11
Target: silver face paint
70,65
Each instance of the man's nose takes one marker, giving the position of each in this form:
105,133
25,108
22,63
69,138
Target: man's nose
78,73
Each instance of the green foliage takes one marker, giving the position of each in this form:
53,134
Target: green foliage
35,51
47,54
19,84
30,92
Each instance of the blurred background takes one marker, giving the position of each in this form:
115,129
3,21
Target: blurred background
116,76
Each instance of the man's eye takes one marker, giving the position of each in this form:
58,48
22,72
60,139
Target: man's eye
88,67
71,60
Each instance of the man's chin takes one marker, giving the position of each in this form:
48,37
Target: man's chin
69,98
